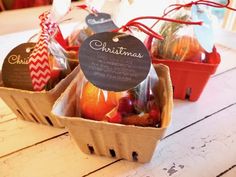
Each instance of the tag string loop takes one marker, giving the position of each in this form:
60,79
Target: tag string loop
147,30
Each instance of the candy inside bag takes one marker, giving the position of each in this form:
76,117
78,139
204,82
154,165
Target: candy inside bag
180,42
79,34
137,106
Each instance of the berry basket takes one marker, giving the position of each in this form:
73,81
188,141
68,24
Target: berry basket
116,140
36,106
189,78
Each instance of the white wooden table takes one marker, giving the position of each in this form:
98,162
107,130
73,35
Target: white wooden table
201,141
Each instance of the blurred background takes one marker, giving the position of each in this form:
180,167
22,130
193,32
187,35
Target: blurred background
224,21
18,4
227,19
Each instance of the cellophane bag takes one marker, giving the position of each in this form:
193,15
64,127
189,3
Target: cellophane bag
82,30
180,42
79,34
94,22
137,106
61,63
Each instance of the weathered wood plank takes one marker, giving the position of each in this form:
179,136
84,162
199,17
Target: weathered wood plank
228,59
60,157
183,112
219,93
205,106
17,134
182,116
206,149
5,113
54,158
231,172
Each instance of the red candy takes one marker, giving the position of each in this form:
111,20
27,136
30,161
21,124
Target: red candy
125,105
116,118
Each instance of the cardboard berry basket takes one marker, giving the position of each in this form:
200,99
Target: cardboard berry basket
129,142
189,78
36,106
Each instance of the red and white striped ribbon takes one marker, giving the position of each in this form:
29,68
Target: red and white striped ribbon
39,67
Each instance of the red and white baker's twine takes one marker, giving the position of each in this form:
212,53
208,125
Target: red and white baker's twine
39,67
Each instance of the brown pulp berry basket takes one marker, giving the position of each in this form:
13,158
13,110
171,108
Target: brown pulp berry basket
129,142
36,106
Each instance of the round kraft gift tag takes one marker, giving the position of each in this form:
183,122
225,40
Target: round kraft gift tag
114,61
15,69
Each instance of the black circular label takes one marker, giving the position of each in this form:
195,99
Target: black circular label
15,69
101,22
114,61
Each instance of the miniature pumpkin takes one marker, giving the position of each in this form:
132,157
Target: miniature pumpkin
186,48
179,42
95,103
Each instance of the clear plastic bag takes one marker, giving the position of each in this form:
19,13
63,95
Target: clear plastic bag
180,42
60,62
137,106
95,22
79,34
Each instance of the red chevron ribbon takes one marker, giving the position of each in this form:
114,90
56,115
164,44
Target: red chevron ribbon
39,67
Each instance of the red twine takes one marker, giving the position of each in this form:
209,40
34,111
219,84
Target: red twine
174,7
88,9
40,71
147,30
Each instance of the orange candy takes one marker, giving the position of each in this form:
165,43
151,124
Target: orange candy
96,103
54,66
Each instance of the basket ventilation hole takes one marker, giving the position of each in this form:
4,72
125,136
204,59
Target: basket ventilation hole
48,120
32,115
188,93
135,156
20,113
112,152
91,149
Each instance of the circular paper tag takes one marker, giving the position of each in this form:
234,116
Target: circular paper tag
15,69
101,22
114,61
